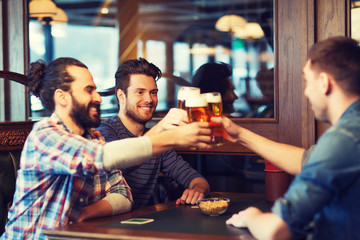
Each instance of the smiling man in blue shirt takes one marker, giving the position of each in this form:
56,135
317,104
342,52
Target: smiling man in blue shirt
323,200
136,91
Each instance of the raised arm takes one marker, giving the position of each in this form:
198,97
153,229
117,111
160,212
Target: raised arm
132,151
284,156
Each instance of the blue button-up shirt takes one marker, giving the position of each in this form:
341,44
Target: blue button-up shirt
60,173
323,201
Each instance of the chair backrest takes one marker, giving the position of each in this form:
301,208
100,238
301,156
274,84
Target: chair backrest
12,139
9,162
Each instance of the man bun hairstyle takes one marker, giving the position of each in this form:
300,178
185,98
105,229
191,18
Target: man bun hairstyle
44,80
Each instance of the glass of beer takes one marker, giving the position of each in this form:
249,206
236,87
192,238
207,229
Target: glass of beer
184,92
197,108
215,109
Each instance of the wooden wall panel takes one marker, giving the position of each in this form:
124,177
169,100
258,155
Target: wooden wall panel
331,20
295,35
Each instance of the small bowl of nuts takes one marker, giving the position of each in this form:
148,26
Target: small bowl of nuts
213,206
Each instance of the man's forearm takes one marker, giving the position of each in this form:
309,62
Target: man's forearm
268,226
114,203
284,156
126,153
261,225
200,184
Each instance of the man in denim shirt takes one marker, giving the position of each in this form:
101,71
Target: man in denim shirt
323,201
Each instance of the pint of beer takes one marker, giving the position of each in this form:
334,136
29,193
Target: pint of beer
184,92
197,108
215,109
214,103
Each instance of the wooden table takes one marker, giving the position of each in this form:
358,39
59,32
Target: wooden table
171,222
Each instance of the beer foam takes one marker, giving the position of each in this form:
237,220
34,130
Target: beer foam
184,92
196,101
211,98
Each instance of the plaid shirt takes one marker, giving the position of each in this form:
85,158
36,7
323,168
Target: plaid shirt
60,173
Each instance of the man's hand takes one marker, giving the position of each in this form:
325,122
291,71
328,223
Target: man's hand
230,131
174,118
261,225
190,196
198,189
239,219
196,134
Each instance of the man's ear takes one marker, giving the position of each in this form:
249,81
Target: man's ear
326,83
61,97
121,96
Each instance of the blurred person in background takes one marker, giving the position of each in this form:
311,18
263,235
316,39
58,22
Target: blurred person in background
216,77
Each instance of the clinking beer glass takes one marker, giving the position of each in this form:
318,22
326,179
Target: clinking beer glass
215,109
184,92
197,109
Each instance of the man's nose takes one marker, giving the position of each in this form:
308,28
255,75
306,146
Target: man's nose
97,97
148,98
234,96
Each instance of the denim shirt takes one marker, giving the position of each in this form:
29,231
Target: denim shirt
323,201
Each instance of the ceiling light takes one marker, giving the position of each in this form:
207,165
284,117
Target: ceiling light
104,10
42,8
59,17
228,23
251,30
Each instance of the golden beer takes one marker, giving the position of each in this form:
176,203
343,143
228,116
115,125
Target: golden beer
181,104
197,108
198,114
215,109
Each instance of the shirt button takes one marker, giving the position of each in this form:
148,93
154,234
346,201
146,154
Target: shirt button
81,200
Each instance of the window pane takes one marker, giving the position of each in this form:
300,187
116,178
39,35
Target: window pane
177,36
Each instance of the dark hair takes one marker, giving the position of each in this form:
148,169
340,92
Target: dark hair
44,80
339,57
134,66
211,77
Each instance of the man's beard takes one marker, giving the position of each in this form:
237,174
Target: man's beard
80,114
135,116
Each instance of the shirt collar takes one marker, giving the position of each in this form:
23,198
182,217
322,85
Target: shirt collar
354,107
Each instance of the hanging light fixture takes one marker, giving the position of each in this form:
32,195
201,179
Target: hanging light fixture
42,8
229,23
251,30
59,17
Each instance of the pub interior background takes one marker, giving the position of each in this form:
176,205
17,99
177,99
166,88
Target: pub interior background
179,36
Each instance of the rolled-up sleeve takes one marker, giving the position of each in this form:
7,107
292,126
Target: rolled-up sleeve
332,167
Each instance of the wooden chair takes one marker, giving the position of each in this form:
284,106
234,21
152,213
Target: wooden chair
12,139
